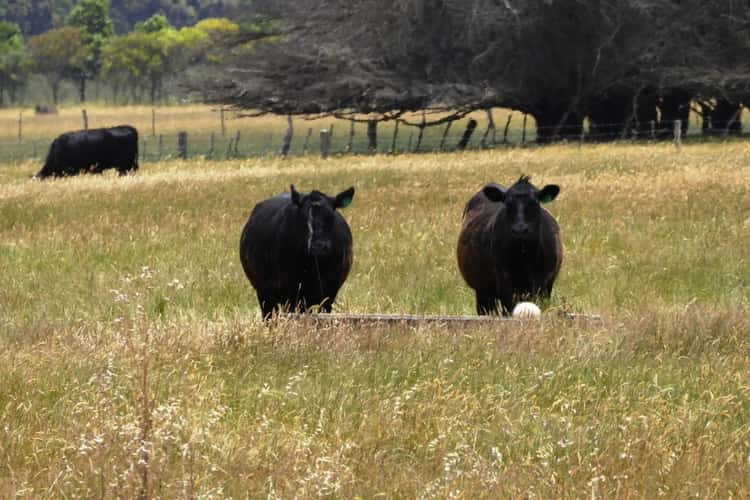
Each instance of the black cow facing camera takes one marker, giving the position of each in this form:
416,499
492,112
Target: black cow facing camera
93,151
509,248
296,250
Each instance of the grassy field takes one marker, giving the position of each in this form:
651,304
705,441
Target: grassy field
133,360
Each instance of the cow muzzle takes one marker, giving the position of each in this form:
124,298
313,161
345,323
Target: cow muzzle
519,231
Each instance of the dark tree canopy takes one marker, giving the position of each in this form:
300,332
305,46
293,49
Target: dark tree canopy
628,65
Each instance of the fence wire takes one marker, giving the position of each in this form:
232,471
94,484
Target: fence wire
233,140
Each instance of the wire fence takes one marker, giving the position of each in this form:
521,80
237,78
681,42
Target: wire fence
215,135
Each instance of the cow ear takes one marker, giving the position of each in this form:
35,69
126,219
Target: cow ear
548,193
295,195
493,193
344,198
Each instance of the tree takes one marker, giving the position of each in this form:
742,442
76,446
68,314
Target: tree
31,16
145,58
153,24
218,31
622,63
126,14
543,57
13,62
133,61
92,17
58,54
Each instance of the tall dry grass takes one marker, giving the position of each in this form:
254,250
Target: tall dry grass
134,363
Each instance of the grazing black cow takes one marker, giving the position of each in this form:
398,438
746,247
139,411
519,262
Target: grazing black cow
296,250
509,248
43,109
92,151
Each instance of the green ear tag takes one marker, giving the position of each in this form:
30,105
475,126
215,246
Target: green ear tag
546,199
346,202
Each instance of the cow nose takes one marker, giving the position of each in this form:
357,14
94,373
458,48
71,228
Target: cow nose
519,229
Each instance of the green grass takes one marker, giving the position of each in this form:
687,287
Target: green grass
133,359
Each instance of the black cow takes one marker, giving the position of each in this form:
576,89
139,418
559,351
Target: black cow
296,250
92,151
43,109
509,248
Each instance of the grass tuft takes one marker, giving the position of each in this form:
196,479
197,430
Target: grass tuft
134,361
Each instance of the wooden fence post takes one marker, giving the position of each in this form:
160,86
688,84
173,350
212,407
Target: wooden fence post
394,138
161,147
523,133
421,133
211,145
350,142
85,119
153,121
143,150
419,138
490,128
494,128
678,134
182,145
20,126
507,125
236,151
223,127
467,134
653,129
307,141
372,136
325,143
731,121
286,143
445,134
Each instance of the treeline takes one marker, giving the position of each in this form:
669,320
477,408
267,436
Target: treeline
135,65
34,17
624,67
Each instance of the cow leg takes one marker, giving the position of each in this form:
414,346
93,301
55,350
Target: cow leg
267,307
313,300
507,300
327,305
486,304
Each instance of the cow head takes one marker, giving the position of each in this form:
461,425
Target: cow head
318,211
522,204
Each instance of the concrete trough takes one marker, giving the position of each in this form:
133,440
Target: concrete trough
416,320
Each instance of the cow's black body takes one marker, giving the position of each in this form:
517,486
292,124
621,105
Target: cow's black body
509,248
92,151
290,268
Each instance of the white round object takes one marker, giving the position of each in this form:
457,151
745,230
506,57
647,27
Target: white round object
527,310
